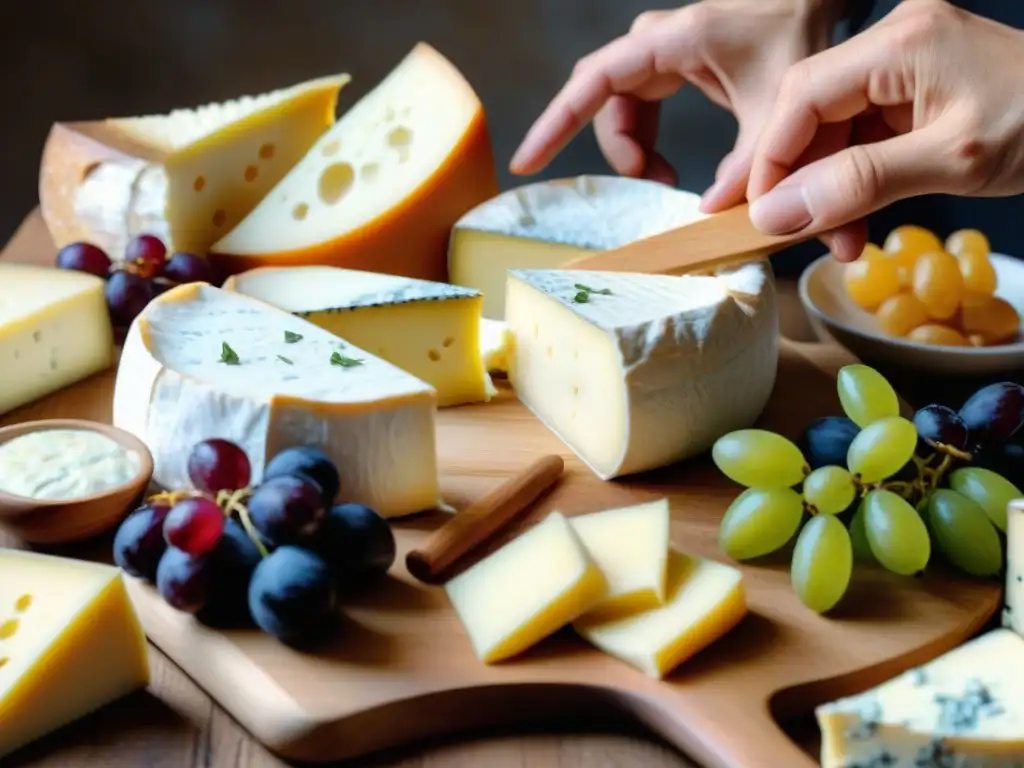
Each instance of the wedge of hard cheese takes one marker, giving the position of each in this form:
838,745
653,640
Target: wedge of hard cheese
188,176
201,362
381,190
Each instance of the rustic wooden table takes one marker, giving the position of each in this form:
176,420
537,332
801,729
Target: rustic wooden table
175,724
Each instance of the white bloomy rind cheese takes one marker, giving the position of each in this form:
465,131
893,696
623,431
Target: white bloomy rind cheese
375,421
634,372
431,330
70,642
963,710
188,176
54,331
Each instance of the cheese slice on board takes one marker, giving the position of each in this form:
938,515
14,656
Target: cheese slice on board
630,545
54,330
525,591
634,372
547,224
964,709
431,330
381,190
705,600
201,362
70,643
188,176
1013,609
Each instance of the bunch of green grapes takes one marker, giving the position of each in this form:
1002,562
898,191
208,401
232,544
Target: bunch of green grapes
864,486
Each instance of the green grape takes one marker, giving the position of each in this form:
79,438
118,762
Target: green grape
865,395
896,533
964,533
759,521
757,458
829,490
990,491
881,449
859,536
822,563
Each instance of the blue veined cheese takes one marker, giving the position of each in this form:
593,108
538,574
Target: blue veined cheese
1013,610
200,362
634,372
963,710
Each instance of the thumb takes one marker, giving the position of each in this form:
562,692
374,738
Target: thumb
855,182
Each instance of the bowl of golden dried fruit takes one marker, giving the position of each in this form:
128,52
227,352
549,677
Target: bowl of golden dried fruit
918,302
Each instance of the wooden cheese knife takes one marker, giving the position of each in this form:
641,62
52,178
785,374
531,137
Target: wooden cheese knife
722,239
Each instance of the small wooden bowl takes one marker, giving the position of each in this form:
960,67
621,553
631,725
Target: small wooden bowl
45,521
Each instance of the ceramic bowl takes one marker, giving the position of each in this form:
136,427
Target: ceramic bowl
834,316
46,521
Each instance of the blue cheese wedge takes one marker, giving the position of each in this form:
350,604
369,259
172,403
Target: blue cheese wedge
959,711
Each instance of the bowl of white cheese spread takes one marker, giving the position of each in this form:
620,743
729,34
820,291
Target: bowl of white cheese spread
65,480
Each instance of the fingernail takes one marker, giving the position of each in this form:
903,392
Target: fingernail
711,196
781,211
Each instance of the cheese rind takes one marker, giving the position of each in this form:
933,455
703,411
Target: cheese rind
630,546
705,600
375,421
70,643
54,331
188,176
964,709
528,589
431,330
380,190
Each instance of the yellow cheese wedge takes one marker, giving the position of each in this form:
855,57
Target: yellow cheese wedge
380,190
188,176
705,600
54,331
70,643
528,589
630,545
431,330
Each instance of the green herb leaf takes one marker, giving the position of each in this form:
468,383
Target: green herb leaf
291,337
585,290
582,287
345,362
602,291
581,298
228,356
284,359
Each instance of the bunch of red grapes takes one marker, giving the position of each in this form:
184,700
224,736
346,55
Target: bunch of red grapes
280,555
145,272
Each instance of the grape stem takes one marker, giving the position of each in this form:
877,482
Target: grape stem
233,502
170,498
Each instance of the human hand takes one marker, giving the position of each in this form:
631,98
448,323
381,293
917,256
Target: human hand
929,100
736,51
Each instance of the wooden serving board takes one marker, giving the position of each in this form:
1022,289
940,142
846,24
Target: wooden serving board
402,669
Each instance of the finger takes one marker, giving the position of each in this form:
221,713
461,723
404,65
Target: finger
730,184
846,243
626,130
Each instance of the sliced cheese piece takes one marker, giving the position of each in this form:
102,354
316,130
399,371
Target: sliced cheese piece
1013,609
381,190
54,331
642,370
201,362
188,176
431,330
547,224
525,591
705,600
630,545
70,643
964,709
496,342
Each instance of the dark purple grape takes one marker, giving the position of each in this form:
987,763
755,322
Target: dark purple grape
826,441
139,543
286,510
146,253
194,525
233,560
127,295
357,541
188,268
937,424
994,413
309,463
84,257
218,465
184,581
293,596
1006,459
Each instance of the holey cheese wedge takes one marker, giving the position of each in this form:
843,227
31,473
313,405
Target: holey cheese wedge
188,176
200,362
432,330
635,372
381,190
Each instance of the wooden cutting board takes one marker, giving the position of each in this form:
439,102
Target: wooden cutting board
402,669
